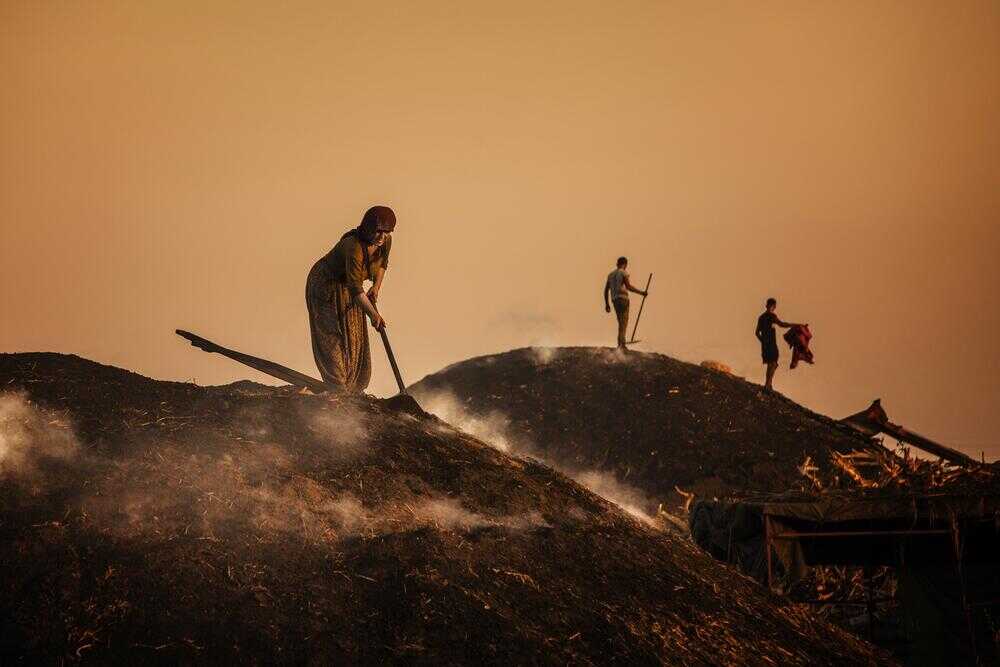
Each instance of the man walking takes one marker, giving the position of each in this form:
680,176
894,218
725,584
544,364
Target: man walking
769,340
618,286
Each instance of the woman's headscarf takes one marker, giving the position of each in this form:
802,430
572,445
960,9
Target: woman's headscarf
377,219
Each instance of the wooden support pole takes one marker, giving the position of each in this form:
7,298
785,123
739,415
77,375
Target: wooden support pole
767,549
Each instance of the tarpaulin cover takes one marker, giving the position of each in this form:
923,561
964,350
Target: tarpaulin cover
733,533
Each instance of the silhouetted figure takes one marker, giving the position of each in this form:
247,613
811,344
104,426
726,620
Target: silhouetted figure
769,340
337,302
618,286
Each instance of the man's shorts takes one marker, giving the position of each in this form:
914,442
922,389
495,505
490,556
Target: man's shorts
769,352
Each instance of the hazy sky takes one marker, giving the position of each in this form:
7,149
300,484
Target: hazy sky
183,164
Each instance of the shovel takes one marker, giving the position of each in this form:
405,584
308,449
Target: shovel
401,401
392,359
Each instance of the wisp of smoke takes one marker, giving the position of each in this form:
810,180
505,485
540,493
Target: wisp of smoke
447,513
250,483
304,506
494,430
30,435
255,489
254,484
606,486
544,355
341,427
614,355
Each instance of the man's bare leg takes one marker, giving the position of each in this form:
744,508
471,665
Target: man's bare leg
621,312
769,377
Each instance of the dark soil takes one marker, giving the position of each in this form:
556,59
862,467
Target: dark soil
653,421
257,525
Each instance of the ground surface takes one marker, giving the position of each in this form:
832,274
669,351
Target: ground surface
652,421
146,521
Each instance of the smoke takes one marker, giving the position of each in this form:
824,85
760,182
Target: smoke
340,428
544,355
256,482
167,491
305,507
447,513
608,487
258,491
494,429
30,437
614,355
251,481
337,427
273,472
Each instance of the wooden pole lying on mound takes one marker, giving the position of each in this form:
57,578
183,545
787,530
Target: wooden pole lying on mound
285,373
641,304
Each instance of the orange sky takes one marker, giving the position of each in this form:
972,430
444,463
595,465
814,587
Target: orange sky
168,164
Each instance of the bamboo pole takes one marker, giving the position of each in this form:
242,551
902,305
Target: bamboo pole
641,304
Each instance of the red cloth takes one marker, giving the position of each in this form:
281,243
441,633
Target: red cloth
798,338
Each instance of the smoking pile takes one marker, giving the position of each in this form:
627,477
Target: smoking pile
166,522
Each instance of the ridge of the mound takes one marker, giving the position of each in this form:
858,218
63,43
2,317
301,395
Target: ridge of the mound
74,368
187,525
71,367
654,421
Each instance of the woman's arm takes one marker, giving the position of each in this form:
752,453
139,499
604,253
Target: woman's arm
355,272
369,308
376,284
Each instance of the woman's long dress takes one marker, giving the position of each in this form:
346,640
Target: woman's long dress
336,323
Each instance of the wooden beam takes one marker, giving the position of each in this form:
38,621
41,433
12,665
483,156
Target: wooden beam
271,368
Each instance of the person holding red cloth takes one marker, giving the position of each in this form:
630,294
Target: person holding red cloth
769,340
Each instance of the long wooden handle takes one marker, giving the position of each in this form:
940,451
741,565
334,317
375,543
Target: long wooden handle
392,360
641,304
273,369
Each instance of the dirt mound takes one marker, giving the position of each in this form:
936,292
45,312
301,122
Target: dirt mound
653,421
164,522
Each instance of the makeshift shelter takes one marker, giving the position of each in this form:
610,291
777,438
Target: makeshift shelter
943,547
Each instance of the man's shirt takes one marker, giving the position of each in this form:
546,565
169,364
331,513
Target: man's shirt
765,327
616,284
